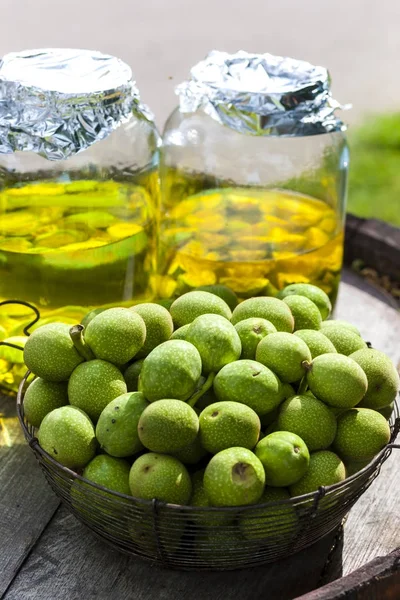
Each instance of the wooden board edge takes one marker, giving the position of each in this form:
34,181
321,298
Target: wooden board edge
375,243
379,578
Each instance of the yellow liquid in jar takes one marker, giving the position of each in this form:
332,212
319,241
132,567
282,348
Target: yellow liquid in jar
70,247
255,241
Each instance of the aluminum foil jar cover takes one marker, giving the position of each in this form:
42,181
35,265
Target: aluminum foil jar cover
262,94
57,102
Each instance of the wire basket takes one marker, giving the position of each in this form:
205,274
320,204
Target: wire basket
185,537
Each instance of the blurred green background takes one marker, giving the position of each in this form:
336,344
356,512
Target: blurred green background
374,179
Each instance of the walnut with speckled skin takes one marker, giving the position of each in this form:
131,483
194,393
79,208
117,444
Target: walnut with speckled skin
265,307
193,304
234,477
117,427
313,293
310,419
337,380
160,476
251,383
305,313
172,370
159,326
168,426
285,354
50,353
116,335
345,341
361,433
325,468
383,378
67,434
93,385
251,332
227,424
316,341
217,341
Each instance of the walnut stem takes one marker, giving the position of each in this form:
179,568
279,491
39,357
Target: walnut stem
76,335
204,388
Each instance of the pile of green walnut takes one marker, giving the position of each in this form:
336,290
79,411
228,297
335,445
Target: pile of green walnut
211,403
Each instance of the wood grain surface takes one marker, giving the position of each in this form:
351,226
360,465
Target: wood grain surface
26,501
70,563
373,526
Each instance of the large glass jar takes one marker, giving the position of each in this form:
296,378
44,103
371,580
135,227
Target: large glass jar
78,186
253,178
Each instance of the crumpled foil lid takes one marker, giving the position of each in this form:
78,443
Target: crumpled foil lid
262,94
57,102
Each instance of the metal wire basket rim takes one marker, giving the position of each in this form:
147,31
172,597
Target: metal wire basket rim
35,319
27,327
322,491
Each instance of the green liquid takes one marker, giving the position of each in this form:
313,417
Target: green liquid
253,240
69,247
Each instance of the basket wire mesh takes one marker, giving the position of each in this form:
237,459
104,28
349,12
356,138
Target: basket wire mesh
205,538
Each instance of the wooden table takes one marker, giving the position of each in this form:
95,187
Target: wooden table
46,554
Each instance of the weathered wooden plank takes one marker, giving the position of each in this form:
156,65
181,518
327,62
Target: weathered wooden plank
379,579
70,563
373,289
26,501
373,527
368,309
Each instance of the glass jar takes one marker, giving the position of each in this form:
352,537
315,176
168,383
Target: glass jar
78,186
253,178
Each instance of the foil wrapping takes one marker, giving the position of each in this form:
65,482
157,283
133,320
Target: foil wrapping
262,94
58,102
